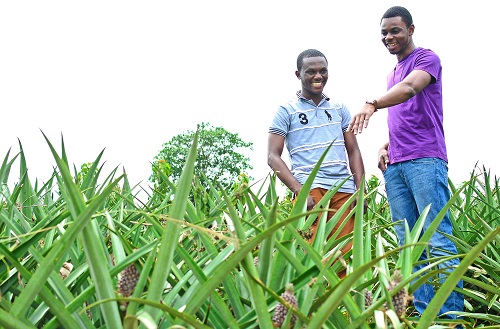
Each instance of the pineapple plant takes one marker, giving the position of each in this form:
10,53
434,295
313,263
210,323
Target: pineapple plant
220,295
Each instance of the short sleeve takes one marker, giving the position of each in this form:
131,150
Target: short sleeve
280,124
346,117
429,62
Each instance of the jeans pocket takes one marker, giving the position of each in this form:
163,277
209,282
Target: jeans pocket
387,171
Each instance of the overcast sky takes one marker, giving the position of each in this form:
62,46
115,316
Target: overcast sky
127,76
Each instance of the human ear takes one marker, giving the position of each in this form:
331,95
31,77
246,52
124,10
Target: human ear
411,29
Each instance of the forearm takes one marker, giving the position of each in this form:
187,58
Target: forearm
414,83
284,174
355,159
398,94
357,168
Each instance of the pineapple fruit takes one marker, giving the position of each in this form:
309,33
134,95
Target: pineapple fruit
128,280
281,310
400,299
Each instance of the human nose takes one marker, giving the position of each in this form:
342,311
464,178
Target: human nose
388,36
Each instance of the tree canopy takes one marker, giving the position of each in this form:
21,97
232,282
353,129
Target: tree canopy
220,155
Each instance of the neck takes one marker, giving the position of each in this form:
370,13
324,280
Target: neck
316,98
402,55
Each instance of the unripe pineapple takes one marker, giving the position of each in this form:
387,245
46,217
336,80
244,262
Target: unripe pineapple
400,299
128,280
281,311
368,298
256,260
306,235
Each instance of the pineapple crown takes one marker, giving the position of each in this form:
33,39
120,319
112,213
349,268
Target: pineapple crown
397,277
289,287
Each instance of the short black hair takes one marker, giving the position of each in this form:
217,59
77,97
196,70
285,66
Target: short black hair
306,54
398,11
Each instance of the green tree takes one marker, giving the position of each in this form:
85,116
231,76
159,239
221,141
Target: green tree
220,156
81,175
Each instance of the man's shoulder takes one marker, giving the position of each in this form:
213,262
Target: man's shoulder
425,52
293,105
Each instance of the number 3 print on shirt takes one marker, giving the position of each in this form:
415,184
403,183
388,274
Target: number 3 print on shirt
303,118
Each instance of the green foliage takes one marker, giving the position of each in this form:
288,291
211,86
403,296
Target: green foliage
220,158
222,258
84,170
83,177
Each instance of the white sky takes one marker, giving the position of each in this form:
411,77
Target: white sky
127,76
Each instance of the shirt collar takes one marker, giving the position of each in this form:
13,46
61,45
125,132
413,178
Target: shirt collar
323,96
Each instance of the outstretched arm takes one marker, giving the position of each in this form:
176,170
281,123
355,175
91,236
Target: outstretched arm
399,93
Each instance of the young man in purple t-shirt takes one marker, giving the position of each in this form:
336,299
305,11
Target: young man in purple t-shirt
414,162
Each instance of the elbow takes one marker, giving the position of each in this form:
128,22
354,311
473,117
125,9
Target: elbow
270,161
273,161
410,92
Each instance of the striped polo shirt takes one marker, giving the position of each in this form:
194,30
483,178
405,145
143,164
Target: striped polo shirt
308,130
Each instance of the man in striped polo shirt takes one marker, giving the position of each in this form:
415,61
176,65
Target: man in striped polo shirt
308,124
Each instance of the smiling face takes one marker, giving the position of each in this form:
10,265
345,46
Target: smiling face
397,36
313,75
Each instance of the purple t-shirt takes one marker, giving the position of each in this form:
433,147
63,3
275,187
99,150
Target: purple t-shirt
416,126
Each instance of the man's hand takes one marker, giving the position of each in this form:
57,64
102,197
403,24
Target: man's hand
360,120
310,202
383,157
355,202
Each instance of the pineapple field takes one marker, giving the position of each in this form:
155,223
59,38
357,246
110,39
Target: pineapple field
83,251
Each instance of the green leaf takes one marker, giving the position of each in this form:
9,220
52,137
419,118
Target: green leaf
171,231
447,287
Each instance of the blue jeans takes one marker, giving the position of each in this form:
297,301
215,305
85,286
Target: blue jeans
411,186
